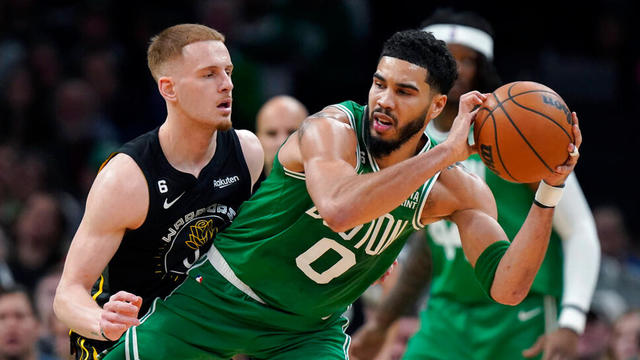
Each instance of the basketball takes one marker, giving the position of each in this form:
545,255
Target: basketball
523,131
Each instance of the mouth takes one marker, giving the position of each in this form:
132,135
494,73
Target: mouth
225,104
382,122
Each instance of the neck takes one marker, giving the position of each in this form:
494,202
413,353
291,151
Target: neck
187,145
405,151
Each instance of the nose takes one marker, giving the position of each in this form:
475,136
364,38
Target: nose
385,99
227,83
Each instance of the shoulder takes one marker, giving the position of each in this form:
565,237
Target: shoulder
333,118
121,171
119,190
327,133
458,189
248,140
253,152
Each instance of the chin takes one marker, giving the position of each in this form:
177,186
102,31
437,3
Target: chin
224,124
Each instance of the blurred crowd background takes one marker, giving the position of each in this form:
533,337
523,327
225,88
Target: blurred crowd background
74,86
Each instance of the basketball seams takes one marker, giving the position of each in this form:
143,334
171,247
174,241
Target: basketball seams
497,144
513,99
523,137
533,107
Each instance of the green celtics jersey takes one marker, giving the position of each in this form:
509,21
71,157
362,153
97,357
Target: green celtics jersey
280,247
453,276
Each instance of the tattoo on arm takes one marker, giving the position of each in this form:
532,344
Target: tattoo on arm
318,115
414,278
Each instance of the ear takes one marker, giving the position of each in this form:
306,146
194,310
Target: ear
437,104
166,87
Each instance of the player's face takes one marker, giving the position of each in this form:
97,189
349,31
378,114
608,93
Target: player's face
203,83
467,60
18,326
399,101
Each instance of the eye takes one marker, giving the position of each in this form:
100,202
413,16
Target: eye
209,74
378,84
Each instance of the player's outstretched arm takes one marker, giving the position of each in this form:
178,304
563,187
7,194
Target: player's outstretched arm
576,227
325,149
118,200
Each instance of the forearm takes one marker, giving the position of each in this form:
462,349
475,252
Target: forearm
519,265
375,193
75,307
413,279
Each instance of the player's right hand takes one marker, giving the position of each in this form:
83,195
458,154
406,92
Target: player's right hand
459,132
562,172
119,314
367,342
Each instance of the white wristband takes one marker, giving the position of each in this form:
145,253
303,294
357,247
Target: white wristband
548,196
573,318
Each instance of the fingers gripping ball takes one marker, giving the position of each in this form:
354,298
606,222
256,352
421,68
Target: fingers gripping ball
523,131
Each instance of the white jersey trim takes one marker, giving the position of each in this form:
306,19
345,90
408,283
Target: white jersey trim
294,174
352,121
221,266
417,223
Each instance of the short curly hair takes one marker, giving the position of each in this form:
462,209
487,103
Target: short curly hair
422,49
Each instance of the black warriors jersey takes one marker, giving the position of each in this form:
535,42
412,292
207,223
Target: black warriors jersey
184,215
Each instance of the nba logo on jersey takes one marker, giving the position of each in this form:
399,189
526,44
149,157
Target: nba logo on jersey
199,279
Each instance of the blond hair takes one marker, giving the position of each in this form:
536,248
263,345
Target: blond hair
168,44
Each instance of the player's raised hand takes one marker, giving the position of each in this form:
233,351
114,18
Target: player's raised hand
562,172
120,313
459,133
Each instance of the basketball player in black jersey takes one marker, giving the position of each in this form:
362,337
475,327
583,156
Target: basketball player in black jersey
156,204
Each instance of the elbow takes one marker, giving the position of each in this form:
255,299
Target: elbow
509,297
337,218
58,304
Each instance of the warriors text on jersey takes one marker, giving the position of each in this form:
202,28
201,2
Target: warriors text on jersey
184,215
279,246
453,276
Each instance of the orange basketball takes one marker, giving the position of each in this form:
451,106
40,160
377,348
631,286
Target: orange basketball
523,131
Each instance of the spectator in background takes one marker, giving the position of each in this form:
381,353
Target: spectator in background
6,278
24,122
19,326
40,240
620,270
594,343
278,118
44,294
625,342
82,128
60,337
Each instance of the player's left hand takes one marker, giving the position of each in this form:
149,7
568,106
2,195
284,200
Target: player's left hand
561,344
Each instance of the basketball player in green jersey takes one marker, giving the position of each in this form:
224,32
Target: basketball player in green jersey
460,321
344,193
